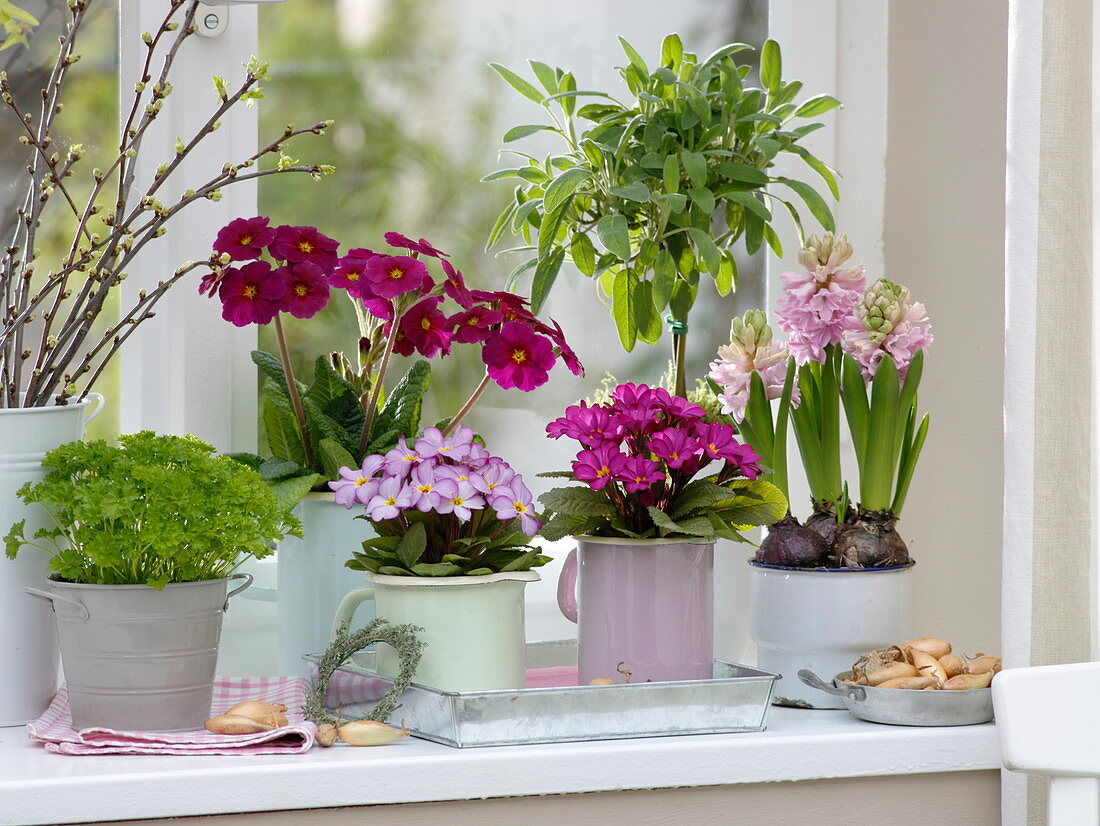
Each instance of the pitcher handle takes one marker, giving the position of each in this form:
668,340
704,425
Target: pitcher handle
247,581
346,610
567,587
52,598
101,402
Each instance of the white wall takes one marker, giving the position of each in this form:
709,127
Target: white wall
944,238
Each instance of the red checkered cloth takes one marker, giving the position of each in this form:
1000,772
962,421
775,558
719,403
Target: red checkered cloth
55,727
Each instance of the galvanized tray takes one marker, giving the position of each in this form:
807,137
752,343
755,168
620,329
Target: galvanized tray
737,699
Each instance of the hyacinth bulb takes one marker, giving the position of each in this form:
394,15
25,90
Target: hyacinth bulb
792,545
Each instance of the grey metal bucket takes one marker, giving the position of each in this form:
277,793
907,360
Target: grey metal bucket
139,659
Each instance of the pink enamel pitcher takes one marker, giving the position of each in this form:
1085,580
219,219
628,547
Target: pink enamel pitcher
644,606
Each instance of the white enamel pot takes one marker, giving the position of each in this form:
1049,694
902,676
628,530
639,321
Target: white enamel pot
823,620
28,639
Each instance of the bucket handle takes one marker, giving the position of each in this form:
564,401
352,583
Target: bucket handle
567,587
54,598
100,401
247,581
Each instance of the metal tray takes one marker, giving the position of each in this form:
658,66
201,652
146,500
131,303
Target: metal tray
737,699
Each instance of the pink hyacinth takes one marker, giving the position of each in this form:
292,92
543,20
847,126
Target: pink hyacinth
818,303
751,350
887,322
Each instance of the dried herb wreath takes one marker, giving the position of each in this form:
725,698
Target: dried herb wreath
403,639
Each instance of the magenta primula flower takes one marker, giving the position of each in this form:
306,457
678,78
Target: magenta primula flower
598,466
675,447
252,294
425,329
455,286
394,275
518,357
244,238
298,244
396,239
639,473
887,323
307,290
557,335
350,274
819,302
475,324
591,426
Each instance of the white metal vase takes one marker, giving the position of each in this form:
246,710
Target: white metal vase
824,620
312,578
28,638
473,627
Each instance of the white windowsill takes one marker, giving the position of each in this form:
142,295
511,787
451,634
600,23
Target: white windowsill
40,788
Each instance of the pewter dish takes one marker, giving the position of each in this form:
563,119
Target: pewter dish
902,707
737,699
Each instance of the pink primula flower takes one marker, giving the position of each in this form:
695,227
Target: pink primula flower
518,357
307,290
392,497
251,295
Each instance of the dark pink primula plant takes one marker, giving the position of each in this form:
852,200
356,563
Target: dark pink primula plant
642,459
401,307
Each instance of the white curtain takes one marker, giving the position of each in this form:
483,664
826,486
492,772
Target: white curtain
1048,576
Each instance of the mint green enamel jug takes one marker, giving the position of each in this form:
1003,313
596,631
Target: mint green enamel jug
473,626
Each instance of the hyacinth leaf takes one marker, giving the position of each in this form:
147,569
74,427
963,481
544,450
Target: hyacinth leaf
854,396
545,274
623,308
289,492
758,412
402,409
412,545
283,437
805,420
779,442
909,465
877,475
908,396
334,456
576,501
830,420
518,83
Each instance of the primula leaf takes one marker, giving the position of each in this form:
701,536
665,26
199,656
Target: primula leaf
274,469
412,546
695,526
436,569
701,493
323,427
283,437
563,525
289,492
333,457
755,502
402,409
271,367
576,501
328,385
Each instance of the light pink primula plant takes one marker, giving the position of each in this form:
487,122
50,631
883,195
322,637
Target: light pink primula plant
819,302
887,322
